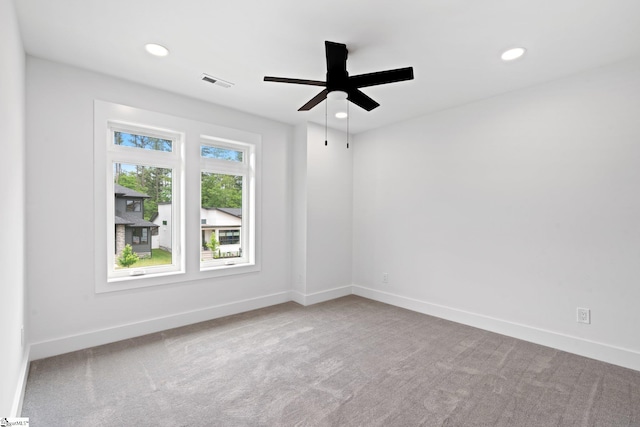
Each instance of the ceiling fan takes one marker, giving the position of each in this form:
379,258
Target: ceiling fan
340,83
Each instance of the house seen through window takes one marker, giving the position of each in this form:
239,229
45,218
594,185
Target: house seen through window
221,209
138,190
148,212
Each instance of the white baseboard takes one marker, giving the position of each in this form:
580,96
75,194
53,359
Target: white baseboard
108,335
322,296
16,407
595,350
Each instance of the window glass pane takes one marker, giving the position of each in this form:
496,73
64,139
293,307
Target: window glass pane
221,208
140,236
141,141
220,153
134,206
142,203
229,237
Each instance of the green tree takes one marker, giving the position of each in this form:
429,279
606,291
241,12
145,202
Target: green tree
213,243
128,257
158,187
129,180
221,190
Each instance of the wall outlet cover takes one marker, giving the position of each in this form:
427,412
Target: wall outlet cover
584,315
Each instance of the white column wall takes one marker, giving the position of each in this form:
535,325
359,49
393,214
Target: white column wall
322,206
299,213
329,210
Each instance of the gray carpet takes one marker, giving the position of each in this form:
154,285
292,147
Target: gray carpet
347,362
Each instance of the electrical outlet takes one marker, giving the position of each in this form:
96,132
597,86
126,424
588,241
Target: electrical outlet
584,315
22,336
385,277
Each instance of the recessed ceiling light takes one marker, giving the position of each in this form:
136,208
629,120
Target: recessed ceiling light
341,115
511,54
156,49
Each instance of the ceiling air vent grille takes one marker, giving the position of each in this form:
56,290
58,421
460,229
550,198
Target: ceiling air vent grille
216,81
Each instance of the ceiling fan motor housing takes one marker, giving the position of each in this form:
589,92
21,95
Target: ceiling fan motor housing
339,82
337,75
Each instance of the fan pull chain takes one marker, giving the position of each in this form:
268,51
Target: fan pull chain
348,118
326,107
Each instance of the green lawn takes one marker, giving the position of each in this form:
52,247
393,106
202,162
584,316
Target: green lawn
158,257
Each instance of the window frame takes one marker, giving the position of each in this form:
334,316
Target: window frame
246,168
185,181
149,158
135,203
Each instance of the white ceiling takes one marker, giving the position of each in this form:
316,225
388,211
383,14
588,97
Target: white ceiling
453,45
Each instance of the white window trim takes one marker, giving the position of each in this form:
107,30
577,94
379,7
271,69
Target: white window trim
170,160
246,169
187,184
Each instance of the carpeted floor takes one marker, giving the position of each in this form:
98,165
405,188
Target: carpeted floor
347,362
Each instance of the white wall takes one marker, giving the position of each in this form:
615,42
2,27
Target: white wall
299,213
12,225
322,205
329,210
163,239
219,218
514,211
66,313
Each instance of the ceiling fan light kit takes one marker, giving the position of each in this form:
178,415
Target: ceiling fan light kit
337,95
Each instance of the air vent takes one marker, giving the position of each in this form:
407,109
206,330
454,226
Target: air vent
216,81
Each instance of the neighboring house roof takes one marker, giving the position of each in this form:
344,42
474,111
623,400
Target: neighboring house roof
121,191
121,221
232,211
133,221
237,212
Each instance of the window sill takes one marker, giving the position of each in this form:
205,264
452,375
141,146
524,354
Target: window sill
116,284
228,270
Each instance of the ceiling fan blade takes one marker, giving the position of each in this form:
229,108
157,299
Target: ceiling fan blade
361,100
336,58
314,101
381,77
295,81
